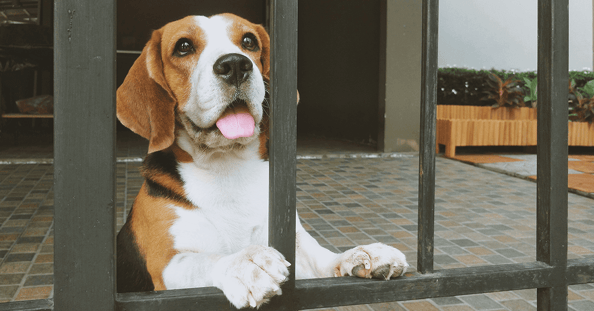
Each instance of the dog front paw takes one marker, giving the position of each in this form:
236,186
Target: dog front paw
252,276
376,260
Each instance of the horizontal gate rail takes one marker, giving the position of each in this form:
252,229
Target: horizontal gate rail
28,305
332,292
580,271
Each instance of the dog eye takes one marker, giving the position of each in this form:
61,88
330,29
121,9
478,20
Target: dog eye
183,47
249,42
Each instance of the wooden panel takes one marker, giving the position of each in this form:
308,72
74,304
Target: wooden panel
580,134
485,113
26,116
460,132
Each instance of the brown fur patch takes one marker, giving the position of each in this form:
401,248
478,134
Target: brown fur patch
181,155
158,82
151,222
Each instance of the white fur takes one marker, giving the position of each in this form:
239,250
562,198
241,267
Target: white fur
209,95
223,242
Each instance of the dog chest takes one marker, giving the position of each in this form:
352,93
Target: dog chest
232,207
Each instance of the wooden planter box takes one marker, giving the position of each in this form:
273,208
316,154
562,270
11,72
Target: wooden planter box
486,126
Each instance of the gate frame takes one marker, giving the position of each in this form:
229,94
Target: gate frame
85,140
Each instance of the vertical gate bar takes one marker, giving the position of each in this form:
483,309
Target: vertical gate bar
551,243
283,134
84,154
427,139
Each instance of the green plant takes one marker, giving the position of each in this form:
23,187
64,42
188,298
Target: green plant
581,77
504,93
582,110
572,94
462,86
532,86
588,89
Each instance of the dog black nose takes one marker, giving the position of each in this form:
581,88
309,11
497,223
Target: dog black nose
233,68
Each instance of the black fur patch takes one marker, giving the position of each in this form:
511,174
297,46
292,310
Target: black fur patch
162,162
165,163
132,273
159,191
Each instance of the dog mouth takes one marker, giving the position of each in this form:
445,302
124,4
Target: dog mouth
235,121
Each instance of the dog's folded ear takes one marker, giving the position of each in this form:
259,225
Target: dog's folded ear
265,54
145,103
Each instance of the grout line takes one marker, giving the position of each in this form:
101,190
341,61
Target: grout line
27,161
51,161
371,155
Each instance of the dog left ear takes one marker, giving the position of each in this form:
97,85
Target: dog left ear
265,54
145,103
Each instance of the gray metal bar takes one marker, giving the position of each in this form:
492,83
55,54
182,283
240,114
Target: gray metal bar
283,138
332,292
551,246
28,305
427,139
580,271
84,148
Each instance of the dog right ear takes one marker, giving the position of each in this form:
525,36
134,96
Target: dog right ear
145,103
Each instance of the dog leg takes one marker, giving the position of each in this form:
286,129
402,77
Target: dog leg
374,260
311,259
249,277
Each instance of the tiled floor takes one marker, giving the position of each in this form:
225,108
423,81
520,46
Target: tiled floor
482,218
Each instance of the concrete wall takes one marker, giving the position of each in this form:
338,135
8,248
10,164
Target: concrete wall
503,34
403,31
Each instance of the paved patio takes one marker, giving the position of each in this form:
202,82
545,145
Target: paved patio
580,168
482,218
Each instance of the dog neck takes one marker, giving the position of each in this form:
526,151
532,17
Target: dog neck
215,159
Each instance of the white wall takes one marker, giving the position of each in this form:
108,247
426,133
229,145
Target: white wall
502,34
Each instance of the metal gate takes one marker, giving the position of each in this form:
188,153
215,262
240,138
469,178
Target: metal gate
85,178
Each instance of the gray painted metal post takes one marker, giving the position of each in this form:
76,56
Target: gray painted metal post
427,139
551,244
84,147
283,135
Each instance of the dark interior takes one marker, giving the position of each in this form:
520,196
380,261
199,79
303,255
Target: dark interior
339,44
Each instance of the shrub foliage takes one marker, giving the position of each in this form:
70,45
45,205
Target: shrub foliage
459,86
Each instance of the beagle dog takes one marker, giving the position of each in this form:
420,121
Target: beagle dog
198,94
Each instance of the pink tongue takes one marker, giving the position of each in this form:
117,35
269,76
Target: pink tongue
235,125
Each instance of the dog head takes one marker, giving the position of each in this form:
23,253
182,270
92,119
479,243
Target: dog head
203,76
